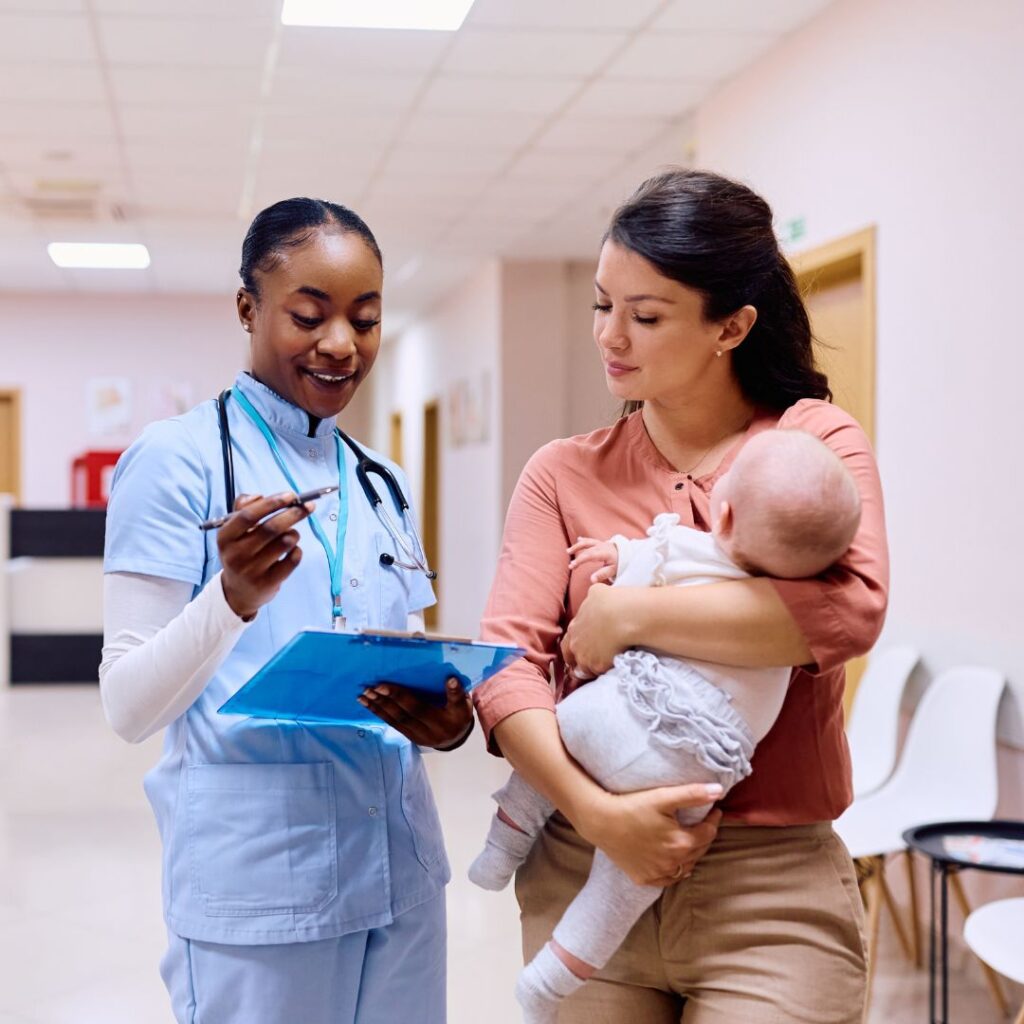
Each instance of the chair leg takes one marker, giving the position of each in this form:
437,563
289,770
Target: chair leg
915,921
890,904
991,977
872,895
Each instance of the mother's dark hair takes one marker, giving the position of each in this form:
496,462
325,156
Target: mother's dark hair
289,224
715,235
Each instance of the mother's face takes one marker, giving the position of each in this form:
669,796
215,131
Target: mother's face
316,322
650,330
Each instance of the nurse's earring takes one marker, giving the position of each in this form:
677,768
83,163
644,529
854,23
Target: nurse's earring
717,353
248,329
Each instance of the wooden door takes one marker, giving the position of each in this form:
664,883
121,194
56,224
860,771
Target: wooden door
395,440
838,284
10,443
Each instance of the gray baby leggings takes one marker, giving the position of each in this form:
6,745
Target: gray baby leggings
649,721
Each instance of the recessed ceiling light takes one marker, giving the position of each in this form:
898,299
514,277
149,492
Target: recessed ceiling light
440,15
99,255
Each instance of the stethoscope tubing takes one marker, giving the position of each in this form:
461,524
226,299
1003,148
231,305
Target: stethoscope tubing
364,467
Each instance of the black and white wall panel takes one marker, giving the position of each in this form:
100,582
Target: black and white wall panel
51,608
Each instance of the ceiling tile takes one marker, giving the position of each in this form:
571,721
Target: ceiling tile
565,14
344,51
26,39
775,16
183,41
531,54
319,183
162,195
408,181
624,97
172,84
601,134
452,94
263,10
335,156
464,130
37,83
56,123
580,167
424,159
188,130
220,156
705,56
42,6
361,92
334,126
111,281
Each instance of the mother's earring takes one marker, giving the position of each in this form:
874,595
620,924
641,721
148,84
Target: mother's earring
718,353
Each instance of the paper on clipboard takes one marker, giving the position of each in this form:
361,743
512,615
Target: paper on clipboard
317,676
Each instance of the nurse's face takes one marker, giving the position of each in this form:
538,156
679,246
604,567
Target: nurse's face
316,322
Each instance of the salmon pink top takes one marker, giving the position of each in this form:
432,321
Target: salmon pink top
615,480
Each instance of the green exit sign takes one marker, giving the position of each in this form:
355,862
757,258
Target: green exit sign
793,230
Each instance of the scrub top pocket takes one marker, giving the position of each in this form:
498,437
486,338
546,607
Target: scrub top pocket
262,838
420,811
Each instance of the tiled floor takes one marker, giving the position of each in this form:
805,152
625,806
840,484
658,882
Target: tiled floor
80,928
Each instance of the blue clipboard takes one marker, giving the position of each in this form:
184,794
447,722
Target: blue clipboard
317,676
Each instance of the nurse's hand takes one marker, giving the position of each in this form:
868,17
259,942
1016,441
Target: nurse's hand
259,553
424,723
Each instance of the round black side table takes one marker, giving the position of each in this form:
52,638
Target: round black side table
954,846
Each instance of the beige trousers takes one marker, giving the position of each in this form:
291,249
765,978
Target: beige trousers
767,930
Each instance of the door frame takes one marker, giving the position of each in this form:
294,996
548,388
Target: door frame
842,258
14,396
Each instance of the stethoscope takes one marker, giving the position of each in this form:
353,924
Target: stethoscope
413,553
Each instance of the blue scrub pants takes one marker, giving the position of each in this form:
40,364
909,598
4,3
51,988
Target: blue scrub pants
379,976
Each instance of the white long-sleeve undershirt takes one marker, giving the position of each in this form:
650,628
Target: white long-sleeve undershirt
160,649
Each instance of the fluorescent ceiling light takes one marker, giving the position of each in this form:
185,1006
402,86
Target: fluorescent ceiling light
99,255
440,15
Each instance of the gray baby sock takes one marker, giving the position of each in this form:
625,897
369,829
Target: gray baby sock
506,848
543,983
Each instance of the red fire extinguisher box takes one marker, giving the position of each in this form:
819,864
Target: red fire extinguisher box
91,473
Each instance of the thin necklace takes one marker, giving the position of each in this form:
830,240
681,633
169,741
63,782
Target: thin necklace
742,430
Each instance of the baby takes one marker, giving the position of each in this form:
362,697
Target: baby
787,508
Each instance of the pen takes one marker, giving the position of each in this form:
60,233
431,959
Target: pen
213,524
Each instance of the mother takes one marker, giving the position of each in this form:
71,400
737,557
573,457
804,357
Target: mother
703,334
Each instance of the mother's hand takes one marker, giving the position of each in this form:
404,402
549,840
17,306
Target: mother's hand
430,725
596,633
640,833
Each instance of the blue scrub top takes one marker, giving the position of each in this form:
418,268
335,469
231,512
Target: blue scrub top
275,832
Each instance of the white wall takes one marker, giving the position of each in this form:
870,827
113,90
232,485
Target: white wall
907,115
528,325
459,339
52,345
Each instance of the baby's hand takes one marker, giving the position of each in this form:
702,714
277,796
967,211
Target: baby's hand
587,549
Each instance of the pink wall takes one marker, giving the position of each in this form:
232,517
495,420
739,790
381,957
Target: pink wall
51,345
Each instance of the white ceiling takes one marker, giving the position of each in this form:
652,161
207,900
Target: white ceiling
172,122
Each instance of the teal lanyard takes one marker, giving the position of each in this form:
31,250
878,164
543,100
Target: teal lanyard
335,556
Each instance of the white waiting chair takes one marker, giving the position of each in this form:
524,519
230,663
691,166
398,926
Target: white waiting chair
994,933
873,729
947,772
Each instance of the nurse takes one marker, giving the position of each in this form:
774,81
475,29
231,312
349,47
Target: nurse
303,867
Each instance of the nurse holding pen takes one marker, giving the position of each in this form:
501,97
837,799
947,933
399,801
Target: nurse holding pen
303,866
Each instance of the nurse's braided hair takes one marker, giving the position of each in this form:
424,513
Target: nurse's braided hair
289,224
715,235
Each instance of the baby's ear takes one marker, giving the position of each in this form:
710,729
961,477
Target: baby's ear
722,521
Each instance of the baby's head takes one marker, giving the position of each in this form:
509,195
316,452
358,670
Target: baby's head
787,507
